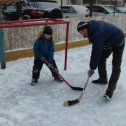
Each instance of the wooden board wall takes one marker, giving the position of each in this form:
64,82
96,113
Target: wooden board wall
14,55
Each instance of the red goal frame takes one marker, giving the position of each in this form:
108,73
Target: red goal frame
37,22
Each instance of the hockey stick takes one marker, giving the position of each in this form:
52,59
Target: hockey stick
73,88
73,102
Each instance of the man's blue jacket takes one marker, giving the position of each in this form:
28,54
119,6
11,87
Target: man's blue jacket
102,34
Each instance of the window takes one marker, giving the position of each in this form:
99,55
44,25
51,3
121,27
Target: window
68,10
11,6
99,9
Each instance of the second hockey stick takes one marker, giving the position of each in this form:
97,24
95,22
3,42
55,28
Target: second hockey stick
73,102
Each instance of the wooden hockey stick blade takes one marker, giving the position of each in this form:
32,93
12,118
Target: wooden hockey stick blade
73,102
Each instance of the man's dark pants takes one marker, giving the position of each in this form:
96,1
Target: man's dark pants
117,52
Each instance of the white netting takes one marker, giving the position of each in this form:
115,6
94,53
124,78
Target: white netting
24,37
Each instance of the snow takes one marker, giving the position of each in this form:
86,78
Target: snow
42,105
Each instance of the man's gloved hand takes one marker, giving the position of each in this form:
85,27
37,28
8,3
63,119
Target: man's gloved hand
90,72
43,59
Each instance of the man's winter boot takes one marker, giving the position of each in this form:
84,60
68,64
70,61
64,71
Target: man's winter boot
58,79
108,95
99,81
34,82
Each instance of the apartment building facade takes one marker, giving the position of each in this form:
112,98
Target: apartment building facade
117,2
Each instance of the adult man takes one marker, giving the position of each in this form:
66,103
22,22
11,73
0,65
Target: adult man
106,39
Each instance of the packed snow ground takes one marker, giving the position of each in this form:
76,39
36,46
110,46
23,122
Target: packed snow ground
42,105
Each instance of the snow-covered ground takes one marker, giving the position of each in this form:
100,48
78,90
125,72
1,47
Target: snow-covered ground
42,105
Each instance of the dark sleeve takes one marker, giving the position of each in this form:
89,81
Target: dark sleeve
51,53
95,55
97,39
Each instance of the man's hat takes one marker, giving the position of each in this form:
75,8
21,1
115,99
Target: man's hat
48,30
81,25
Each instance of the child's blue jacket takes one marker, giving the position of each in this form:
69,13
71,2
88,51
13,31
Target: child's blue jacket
43,48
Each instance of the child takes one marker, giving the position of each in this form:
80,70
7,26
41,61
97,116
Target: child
44,51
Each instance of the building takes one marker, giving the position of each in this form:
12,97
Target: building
117,2
70,1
